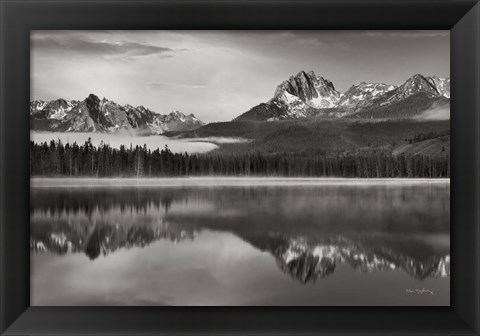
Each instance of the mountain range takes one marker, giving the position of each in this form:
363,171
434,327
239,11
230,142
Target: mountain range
101,115
308,95
301,96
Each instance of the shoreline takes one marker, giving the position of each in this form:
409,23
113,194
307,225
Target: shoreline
206,181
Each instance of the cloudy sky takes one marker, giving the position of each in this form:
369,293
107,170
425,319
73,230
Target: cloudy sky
218,75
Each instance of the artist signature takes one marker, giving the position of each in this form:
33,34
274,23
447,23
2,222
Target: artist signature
419,291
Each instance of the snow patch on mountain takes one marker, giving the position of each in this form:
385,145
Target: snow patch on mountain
363,94
102,115
306,89
441,84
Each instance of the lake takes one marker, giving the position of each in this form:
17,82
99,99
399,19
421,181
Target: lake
240,241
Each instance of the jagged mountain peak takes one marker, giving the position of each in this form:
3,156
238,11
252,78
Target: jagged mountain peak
296,97
372,84
302,73
306,86
176,112
92,97
308,75
419,84
54,109
102,115
307,94
417,76
441,84
303,91
177,116
418,79
363,94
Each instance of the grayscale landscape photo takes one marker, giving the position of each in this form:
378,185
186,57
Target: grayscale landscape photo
240,168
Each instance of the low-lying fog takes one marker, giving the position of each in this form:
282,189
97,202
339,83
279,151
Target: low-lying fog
233,181
153,142
438,111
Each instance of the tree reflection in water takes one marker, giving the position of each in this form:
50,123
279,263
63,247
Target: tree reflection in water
308,230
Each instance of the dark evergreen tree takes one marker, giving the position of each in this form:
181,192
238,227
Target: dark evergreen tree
57,159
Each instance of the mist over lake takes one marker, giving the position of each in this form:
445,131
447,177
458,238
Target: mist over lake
153,141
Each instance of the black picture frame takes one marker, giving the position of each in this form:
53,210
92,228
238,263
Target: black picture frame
18,17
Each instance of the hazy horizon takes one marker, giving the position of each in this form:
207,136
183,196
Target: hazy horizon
218,75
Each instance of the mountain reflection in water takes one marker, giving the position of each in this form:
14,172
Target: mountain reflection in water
309,231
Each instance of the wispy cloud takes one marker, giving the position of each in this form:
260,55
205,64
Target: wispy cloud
313,40
105,48
220,140
407,33
159,85
438,111
317,42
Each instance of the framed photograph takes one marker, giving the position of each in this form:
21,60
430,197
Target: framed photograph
240,167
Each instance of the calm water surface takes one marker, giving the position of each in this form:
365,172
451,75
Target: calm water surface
240,242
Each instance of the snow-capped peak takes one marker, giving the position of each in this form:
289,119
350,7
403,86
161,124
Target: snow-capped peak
431,86
55,109
441,84
102,115
363,94
305,90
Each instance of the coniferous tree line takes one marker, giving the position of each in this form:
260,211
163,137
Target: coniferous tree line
427,136
57,159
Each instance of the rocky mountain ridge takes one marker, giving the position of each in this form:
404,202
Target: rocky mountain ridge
308,95
105,116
